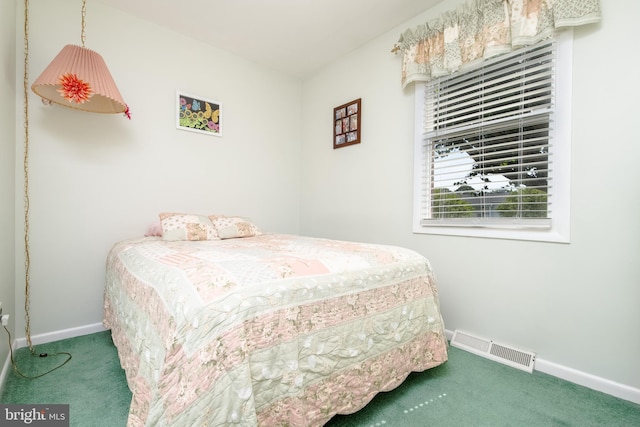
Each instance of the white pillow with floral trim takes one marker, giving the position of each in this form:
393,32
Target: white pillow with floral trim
231,227
181,226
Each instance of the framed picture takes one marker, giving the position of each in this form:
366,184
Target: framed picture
198,114
346,124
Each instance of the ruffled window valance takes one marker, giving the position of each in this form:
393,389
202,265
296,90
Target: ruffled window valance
480,29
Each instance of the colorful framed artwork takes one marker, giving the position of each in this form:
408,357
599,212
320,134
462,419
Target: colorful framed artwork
198,114
346,124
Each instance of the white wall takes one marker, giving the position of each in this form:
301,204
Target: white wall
575,304
96,179
7,155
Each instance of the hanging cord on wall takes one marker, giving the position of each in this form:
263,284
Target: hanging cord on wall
27,258
83,33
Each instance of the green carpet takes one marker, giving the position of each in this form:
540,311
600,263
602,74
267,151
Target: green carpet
469,390
92,382
466,391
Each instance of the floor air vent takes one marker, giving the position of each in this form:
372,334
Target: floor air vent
505,354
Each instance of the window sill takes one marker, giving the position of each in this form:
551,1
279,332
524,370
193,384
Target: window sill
543,235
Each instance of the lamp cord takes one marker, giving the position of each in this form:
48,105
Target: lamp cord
27,257
83,36
29,377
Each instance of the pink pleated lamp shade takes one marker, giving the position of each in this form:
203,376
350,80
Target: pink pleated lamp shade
79,78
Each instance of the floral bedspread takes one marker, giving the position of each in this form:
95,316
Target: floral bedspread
269,330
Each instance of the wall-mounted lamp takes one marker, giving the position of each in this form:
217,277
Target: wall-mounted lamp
79,78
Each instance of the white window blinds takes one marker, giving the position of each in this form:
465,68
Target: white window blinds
487,142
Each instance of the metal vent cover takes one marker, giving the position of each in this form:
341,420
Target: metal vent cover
499,352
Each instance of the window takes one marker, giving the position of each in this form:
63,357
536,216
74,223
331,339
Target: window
493,147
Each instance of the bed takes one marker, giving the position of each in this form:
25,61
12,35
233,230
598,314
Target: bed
266,329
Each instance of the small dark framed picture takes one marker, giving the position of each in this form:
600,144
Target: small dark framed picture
346,124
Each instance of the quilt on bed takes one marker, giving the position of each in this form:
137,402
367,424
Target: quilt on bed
268,330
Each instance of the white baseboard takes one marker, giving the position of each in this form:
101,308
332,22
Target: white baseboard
619,390
6,367
61,335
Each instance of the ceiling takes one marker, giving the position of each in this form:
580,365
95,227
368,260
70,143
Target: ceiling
297,37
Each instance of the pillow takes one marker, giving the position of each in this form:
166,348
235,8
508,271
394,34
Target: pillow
180,226
154,230
231,227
